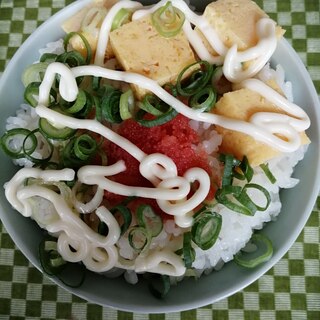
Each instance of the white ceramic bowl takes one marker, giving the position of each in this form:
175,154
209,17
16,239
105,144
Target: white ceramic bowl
297,202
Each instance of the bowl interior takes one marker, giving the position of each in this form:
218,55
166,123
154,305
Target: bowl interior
189,294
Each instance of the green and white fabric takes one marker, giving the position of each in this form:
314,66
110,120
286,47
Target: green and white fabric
290,290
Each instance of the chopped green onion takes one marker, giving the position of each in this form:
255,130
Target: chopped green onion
206,229
223,194
171,89
203,100
126,105
168,20
34,73
123,16
197,80
31,94
79,151
96,81
48,57
71,58
268,173
29,151
14,141
55,133
81,107
77,105
165,117
229,163
148,219
110,104
159,285
48,252
125,216
54,265
85,42
84,147
246,199
253,259
153,105
247,170
187,250
97,105
246,206
139,238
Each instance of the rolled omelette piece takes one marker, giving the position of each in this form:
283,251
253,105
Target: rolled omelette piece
242,104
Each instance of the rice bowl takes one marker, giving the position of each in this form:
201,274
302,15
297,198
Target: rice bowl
227,282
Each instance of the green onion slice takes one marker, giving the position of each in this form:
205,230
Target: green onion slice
268,173
198,79
79,151
85,42
81,107
229,163
253,259
159,285
153,105
123,16
246,205
54,265
246,169
165,117
31,94
48,57
247,201
168,20
84,147
204,100
187,250
125,216
96,81
14,141
224,194
29,151
206,229
71,58
34,73
126,105
110,105
139,238
55,133
50,259
148,219
171,89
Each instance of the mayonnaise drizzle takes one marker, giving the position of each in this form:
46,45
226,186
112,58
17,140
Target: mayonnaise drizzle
258,55
91,205
106,28
99,253
260,132
71,230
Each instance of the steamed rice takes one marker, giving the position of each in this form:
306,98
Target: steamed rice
236,229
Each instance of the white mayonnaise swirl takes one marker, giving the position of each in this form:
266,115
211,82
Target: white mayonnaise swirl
266,134
97,252
106,28
258,55
100,253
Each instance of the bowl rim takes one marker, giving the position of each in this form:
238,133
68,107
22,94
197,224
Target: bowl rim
63,14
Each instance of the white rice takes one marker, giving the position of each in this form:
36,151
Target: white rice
236,228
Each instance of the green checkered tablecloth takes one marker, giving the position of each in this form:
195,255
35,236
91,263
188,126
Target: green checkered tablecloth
290,290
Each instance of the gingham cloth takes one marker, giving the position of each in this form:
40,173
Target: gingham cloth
290,290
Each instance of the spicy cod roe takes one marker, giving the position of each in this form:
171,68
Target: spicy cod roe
176,139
